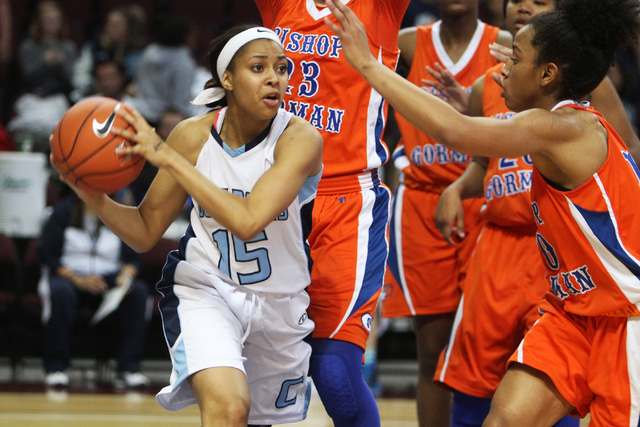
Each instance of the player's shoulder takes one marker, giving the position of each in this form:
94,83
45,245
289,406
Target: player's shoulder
191,133
299,128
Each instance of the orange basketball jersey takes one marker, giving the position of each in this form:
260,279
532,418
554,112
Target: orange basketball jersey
322,84
588,236
507,182
430,162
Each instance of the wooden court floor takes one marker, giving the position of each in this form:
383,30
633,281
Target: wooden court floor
93,401
60,409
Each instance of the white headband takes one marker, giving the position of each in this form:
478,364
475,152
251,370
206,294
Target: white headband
236,42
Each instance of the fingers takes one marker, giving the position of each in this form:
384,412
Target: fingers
133,117
447,234
338,14
499,52
460,228
433,73
431,83
339,10
497,78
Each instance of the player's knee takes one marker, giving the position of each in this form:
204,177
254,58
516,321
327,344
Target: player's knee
230,413
333,382
500,417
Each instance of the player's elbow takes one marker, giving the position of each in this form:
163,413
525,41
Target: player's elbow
142,246
246,230
144,242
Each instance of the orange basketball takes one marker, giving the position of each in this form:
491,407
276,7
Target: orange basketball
84,148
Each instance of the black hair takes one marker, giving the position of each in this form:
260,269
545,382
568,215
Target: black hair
214,52
582,37
100,62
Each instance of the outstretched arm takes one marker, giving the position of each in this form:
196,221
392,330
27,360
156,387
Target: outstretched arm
430,115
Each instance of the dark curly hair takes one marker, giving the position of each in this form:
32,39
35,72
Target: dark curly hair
582,37
214,52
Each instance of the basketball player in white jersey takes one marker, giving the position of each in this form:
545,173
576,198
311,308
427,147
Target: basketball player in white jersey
233,295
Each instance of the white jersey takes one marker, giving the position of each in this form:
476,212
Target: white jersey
276,260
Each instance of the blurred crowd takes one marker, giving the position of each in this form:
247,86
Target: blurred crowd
150,57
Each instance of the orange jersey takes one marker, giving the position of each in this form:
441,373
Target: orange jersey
507,182
588,236
430,162
325,90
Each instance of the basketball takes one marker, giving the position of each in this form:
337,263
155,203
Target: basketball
84,148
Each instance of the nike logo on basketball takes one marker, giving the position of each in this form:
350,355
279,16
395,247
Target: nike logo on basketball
102,129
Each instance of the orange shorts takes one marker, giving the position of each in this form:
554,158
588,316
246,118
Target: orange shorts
593,361
502,291
349,249
427,270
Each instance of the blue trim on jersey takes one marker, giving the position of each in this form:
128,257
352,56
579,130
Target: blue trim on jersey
306,221
179,363
378,249
248,146
309,188
393,263
383,153
398,152
168,305
602,226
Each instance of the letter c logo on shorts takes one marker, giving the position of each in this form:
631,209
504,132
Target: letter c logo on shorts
302,319
367,320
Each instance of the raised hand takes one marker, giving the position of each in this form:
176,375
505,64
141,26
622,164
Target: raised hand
352,34
449,88
499,52
147,142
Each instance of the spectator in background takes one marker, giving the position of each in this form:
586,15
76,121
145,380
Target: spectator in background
421,12
492,12
6,32
81,260
6,52
167,71
109,80
625,76
168,121
121,41
46,60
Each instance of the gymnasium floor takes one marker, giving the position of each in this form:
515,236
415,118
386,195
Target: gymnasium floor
91,400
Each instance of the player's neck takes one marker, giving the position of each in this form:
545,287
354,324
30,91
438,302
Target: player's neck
236,133
456,33
320,3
